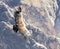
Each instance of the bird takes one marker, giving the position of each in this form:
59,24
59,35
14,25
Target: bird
20,24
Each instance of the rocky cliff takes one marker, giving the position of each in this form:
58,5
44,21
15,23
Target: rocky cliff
42,19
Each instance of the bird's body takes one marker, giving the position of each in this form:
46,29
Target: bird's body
19,24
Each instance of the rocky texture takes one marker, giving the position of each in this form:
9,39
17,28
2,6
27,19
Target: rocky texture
41,18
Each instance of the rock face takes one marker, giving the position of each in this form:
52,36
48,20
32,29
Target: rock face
41,18
41,13
57,20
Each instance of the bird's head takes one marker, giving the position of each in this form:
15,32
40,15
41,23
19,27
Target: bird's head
18,10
